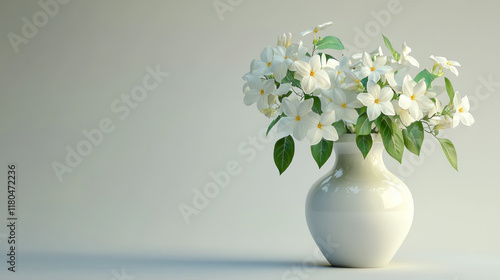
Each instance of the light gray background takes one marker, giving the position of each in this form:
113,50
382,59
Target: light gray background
123,199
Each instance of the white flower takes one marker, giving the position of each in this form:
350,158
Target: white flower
406,58
283,57
352,81
462,114
316,29
436,109
299,54
343,103
269,109
267,62
322,128
297,120
414,99
441,122
446,64
404,115
258,92
283,89
356,58
396,80
434,91
284,40
377,100
328,64
374,69
312,76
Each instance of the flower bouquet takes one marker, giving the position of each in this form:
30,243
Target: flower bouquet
311,94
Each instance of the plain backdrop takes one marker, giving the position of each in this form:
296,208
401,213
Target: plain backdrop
73,69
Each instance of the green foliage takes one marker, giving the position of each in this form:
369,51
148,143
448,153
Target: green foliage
363,125
316,103
428,76
414,137
274,122
330,42
322,151
449,151
340,127
449,90
392,137
364,143
388,44
283,153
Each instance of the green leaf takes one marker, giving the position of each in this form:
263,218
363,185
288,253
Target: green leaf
322,151
340,127
449,151
275,121
330,42
289,78
388,44
283,153
364,81
392,137
449,90
316,103
428,76
364,143
363,125
414,137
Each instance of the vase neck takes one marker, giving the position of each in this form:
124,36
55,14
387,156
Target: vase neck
350,160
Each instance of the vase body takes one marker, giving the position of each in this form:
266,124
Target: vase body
359,213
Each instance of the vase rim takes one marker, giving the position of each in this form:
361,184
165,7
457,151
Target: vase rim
351,137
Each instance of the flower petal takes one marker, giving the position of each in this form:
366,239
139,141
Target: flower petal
367,60
404,102
419,89
350,115
366,98
290,108
305,107
303,68
327,118
387,108
308,84
467,119
330,133
286,125
386,94
314,136
251,97
322,79
315,63
373,111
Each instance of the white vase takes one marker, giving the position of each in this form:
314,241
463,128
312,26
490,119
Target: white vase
359,213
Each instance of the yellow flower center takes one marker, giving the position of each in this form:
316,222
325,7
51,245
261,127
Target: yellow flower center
448,63
461,109
261,92
339,72
286,57
297,118
320,125
377,101
343,105
413,97
312,73
330,99
373,69
269,64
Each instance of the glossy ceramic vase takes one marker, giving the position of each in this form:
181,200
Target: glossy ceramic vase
359,213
